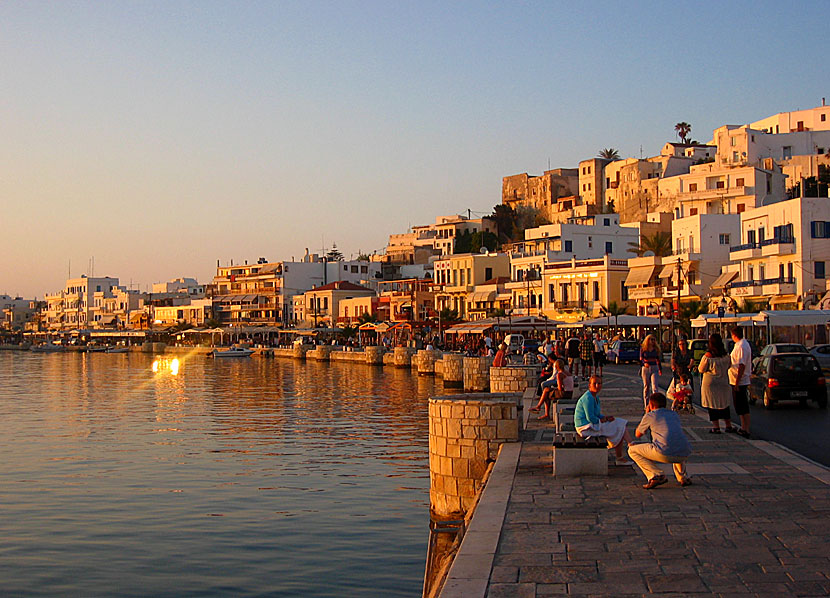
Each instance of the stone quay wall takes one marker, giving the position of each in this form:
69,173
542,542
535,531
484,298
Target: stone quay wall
465,432
514,378
439,367
403,357
477,373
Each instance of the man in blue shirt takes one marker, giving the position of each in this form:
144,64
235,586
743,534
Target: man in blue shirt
668,444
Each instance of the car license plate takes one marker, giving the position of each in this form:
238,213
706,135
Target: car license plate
798,393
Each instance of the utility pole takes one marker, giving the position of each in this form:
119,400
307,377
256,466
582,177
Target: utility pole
676,312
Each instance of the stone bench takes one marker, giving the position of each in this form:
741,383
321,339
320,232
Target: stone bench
575,456
563,416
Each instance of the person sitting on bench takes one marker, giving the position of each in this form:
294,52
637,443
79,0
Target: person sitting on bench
560,386
589,421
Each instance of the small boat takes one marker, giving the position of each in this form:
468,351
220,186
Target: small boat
118,349
47,347
96,349
232,352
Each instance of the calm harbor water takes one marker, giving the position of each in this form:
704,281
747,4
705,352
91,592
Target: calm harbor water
249,477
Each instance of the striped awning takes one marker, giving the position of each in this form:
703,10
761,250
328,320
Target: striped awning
724,279
639,276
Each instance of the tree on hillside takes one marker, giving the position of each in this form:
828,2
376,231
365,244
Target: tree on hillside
659,243
334,254
609,153
505,218
683,129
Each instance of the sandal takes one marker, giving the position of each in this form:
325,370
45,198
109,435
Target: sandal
732,430
742,433
534,409
714,431
544,417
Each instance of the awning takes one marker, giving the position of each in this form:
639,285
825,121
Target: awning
807,317
670,270
724,279
639,276
481,296
108,319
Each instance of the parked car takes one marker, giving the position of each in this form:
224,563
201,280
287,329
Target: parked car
775,348
822,354
698,347
623,351
787,377
514,343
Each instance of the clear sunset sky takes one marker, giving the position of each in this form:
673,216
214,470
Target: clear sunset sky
160,137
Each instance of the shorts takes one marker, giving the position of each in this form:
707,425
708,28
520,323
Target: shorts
598,359
740,399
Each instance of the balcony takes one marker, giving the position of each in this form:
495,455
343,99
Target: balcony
781,285
745,251
776,246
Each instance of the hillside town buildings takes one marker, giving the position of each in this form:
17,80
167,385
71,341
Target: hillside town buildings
745,217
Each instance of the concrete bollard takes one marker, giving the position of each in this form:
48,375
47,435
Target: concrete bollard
374,355
514,378
453,370
477,373
465,432
425,362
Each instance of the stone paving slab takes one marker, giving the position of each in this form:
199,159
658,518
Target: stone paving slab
753,523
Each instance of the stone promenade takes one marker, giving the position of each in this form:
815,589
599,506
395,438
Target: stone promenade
755,522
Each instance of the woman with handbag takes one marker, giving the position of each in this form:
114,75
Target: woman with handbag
715,392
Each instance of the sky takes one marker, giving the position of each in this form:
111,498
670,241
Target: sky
155,138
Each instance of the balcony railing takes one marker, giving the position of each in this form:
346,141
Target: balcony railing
743,283
776,241
752,245
778,280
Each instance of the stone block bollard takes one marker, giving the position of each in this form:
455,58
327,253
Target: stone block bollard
439,365
321,353
477,373
514,378
453,370
425,362
299,350
403,357
465,432
374,355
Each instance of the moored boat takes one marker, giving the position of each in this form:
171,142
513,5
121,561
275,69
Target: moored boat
47,347
232,352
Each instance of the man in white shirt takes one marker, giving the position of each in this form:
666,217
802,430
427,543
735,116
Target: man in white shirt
739,373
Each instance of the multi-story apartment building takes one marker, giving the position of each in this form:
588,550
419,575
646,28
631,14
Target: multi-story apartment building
782,254
409,299
351,310
594,238
579,288
262,292
195,313
459,274
321,304
16,313
188,286
426,241
74,306
700,247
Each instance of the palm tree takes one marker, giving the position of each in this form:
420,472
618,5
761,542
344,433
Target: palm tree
683,129
687,312
609,153
659,243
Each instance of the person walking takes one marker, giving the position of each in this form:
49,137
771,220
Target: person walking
668,444
739,373
586,354
599,354
651,358
715,393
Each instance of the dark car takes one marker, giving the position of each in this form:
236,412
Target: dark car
623,351
788,377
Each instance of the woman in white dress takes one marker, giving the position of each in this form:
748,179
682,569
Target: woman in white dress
715,392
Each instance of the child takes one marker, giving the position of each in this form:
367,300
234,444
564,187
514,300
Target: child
681,394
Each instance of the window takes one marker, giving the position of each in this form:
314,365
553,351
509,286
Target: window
819,150
596,290
761,234
692,211
719,185
739,182
488,273
750,273
609,247
584,187
820,229
354,269
819,270
750,236
724,239
823,117
735,156
733,141
623,291
781,271
606,222
692,186
364,269
569,246
345,268
788,151
790,270
551,294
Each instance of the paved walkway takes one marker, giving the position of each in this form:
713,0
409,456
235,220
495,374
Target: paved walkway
755,522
